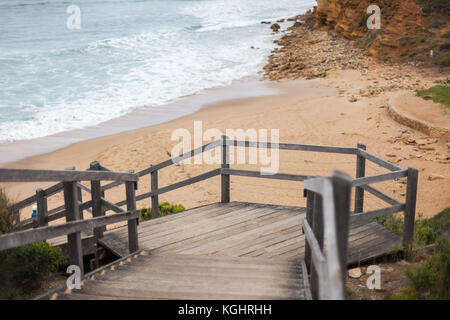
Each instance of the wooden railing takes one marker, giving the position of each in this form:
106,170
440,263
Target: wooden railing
98,204
361,183
70,185
327,223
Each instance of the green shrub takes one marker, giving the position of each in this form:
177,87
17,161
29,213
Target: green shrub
33,262
426,231
432,279
439,94
25,268
163,209
7,218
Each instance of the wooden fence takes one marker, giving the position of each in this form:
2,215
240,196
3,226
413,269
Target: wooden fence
327,222
98,205
70,185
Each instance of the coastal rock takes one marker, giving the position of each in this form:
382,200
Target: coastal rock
355,273
434,177
275,27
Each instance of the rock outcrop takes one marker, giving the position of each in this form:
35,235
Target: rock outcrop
408,32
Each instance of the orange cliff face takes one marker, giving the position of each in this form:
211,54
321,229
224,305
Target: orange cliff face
348,17
404,26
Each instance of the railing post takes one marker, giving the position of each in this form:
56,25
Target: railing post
410,206
317,227
225,165
360,172
132,224
73,214
155,198
80,201
41,204
96,194
309,218
342,186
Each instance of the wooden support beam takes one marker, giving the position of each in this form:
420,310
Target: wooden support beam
225,185
96,195
42,211
360,173
73,214
342,186
309,218
410,206
318,230
132,224
154,188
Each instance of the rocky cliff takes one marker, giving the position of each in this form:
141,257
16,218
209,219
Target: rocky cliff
410,29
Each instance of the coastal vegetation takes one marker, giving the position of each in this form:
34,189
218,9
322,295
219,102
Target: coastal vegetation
163,209
24,269
439,94
431,279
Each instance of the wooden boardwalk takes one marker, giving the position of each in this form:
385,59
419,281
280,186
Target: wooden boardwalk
227,250
221,251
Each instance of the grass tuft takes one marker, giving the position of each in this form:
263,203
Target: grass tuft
439,94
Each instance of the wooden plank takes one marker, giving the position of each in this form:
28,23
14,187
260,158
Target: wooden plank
381,162
369,215
244,236
258,174
379,178
16,239
187,155
115,244
169,222
291,146
29,201
380,195
28,175
186,231
175,186
220,231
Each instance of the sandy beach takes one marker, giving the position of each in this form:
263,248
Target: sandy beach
320,111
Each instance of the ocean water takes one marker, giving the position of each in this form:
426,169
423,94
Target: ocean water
127,55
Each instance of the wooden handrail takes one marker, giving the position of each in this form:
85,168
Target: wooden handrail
16,239
330,224
28,175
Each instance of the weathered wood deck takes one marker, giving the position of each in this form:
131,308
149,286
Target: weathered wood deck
221,251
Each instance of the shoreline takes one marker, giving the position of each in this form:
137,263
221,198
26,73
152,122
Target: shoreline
308,112
340,103
248,87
